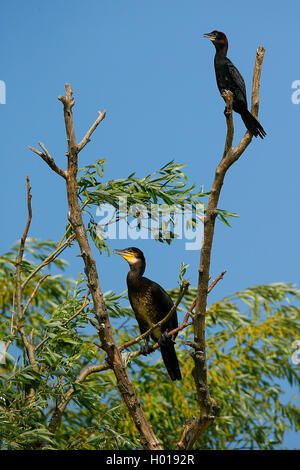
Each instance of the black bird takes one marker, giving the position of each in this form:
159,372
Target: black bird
151,303
229,78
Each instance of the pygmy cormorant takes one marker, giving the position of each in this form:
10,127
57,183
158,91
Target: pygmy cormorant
151,303
229,78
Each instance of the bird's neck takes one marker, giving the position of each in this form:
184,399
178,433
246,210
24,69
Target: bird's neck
221,51
136,273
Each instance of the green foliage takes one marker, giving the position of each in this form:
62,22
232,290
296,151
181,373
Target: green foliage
249,340
167,187
50,291
249,337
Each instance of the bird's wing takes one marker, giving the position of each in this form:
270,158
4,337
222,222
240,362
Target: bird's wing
237,79
163,304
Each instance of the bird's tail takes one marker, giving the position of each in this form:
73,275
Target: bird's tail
253,125
170,360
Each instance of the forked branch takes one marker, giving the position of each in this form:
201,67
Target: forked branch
208,406
108,344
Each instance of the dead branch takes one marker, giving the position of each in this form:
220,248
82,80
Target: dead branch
216,281
208,406
21,252
114,356
87,136
19,290
20,255
45,155
227,95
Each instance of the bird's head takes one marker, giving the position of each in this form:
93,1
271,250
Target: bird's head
134,256
218,39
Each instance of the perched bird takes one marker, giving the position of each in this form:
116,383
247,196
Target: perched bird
229,78
151,303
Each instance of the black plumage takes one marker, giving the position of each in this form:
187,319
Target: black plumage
151,303
229,78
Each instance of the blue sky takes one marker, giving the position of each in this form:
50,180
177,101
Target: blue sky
147,63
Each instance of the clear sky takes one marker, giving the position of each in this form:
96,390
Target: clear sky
148,64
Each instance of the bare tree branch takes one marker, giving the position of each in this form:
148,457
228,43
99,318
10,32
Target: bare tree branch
114,356
19,290
19,258
48,159
208,406
87,136
241,147
21,252
227,95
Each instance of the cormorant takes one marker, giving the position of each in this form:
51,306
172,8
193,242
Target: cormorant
229,78
151,303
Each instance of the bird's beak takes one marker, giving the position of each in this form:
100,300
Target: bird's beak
209,36
125,254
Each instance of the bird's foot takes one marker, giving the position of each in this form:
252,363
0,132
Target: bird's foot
146,349
164,339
